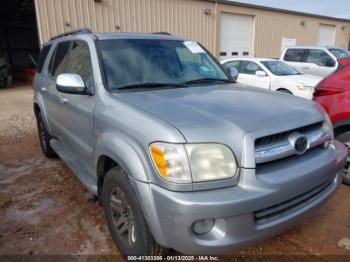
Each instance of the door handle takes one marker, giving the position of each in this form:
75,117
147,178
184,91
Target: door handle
43,89
305,67
63,100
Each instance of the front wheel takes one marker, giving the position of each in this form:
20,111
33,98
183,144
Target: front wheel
125,219
345,138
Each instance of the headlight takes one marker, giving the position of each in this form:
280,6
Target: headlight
301,87
328,125
171,162
193,162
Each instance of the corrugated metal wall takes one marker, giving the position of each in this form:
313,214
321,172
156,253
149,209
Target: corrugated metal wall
270,27
181,17
185,18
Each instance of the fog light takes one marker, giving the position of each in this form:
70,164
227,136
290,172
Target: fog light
203,226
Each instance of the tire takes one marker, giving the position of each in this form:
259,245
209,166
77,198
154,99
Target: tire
345,138
285,91
125,219
44,138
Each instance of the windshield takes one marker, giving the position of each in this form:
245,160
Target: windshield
339,53
132,62
280,68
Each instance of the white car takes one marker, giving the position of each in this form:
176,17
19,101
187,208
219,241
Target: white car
314,60
273,75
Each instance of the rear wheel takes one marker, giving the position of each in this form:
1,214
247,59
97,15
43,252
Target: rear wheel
345,138
124,216
44,138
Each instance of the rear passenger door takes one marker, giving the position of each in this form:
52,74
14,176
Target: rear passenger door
76,111
56,67
319,63
296,57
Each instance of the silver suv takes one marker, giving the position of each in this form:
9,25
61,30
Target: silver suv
178,154
314,60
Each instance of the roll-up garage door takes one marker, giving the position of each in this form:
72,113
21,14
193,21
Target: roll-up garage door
326,34
236,35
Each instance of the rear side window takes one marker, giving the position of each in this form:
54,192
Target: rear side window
42,58
294,55
59,60
320,58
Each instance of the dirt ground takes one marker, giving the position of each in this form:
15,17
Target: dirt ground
43,209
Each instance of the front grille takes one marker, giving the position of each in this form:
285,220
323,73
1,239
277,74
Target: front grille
275,138
278,146
274,212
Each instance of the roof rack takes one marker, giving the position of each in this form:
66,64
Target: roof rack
161,33
74,32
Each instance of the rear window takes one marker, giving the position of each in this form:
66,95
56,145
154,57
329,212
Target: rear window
294,55
42,58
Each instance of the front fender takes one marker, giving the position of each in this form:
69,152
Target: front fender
39,101
127,154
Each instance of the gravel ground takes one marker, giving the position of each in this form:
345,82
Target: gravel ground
43,209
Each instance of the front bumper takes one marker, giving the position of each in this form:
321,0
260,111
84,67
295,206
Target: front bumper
171,215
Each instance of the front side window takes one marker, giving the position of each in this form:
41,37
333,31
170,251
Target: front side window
235,64
249,68
80,62
294,55
320,58
339,53
129,62
59,59
280,68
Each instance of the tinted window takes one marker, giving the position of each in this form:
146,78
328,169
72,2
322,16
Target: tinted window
136,61
249,68
59,61
320,57
294,55
234,64
80,62
43,54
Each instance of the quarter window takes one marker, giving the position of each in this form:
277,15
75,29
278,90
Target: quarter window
294,55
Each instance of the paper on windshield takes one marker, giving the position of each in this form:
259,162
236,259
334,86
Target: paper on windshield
194,47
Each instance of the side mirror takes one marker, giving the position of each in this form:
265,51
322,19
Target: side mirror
70,84
260,73
233,72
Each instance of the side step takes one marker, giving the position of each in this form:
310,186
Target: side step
80,171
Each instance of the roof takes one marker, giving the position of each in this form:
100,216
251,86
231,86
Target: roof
280,10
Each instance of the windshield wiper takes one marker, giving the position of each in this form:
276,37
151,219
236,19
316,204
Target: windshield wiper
209,80
149,85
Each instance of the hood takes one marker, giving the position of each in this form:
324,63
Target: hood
219,113
307,80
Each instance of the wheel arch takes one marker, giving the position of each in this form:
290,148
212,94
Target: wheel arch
341,126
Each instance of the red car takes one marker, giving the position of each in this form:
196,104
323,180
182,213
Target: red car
333,93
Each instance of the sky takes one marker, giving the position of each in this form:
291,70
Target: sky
333,8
